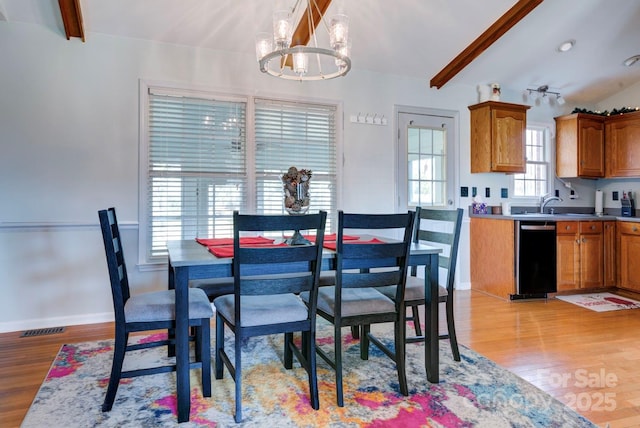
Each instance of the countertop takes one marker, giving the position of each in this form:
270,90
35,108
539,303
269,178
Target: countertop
556,217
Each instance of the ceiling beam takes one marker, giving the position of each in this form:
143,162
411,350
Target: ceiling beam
302,35
72,18
521,9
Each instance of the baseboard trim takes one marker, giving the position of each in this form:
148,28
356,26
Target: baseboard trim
12,326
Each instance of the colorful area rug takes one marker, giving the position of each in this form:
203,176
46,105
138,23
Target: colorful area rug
601,302
472,393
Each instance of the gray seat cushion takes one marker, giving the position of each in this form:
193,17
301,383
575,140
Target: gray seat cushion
414,290
355,301
263,310
160,306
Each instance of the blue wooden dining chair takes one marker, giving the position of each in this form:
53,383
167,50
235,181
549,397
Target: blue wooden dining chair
266,303
148,311
354,300
440,228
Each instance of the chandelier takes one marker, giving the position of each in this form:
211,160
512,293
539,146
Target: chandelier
305,60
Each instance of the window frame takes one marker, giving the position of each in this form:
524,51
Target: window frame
549,149
145,86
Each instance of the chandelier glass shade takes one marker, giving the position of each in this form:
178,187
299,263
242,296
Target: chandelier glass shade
278,58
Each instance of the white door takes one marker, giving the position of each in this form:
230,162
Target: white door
426,158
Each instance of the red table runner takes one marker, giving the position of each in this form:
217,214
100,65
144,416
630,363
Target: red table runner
246,240
226,251
332,237
331,245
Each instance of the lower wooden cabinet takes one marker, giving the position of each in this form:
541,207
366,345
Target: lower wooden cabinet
610,252
579,254
628,255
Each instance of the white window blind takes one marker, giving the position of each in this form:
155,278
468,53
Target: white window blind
301,135
196,168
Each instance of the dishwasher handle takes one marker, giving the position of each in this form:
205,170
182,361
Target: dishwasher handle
538,227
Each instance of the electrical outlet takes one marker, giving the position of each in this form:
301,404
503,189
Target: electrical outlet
474,191
464,191
558,193
487,192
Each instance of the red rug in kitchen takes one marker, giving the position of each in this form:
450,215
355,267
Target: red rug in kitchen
601,302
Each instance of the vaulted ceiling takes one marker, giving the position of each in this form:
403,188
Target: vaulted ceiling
417,38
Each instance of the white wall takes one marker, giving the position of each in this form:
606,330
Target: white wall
69,147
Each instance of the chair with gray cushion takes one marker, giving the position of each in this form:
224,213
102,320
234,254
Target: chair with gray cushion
264,304
362,268
148,311
439,228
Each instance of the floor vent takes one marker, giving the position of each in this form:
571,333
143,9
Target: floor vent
42,331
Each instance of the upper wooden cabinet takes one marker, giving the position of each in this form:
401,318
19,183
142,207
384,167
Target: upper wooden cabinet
622,145
580,146
498,137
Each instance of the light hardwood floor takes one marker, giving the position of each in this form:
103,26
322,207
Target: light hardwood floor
581,357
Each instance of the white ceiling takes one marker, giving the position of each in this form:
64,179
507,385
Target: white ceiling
415,38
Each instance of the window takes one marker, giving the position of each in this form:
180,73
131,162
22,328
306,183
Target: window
534,183
425,157
427,178
205,155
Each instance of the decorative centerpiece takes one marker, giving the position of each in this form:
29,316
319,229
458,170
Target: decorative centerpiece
296,198
296,190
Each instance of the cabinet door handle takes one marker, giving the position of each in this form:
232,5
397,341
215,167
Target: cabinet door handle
584,239
635,229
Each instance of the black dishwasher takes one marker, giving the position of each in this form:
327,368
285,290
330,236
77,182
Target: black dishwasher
535,270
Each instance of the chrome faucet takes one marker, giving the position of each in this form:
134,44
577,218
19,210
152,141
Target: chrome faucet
544,200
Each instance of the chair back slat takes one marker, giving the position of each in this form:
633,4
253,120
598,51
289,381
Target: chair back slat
274,255
370,279
256,285
373,251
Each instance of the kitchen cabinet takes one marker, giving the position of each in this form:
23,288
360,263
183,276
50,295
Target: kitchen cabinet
492,249
579,255
580,147
622,145
628,254
498,137
610,261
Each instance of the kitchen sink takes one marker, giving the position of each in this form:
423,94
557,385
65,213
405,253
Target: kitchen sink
549,215
541,215
575,214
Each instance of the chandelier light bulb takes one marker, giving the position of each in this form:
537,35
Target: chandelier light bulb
300,63
264,45
339,32
282,29
343,50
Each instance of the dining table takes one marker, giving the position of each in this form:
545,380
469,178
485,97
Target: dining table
189,260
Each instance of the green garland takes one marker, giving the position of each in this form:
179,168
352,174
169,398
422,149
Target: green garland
613,112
